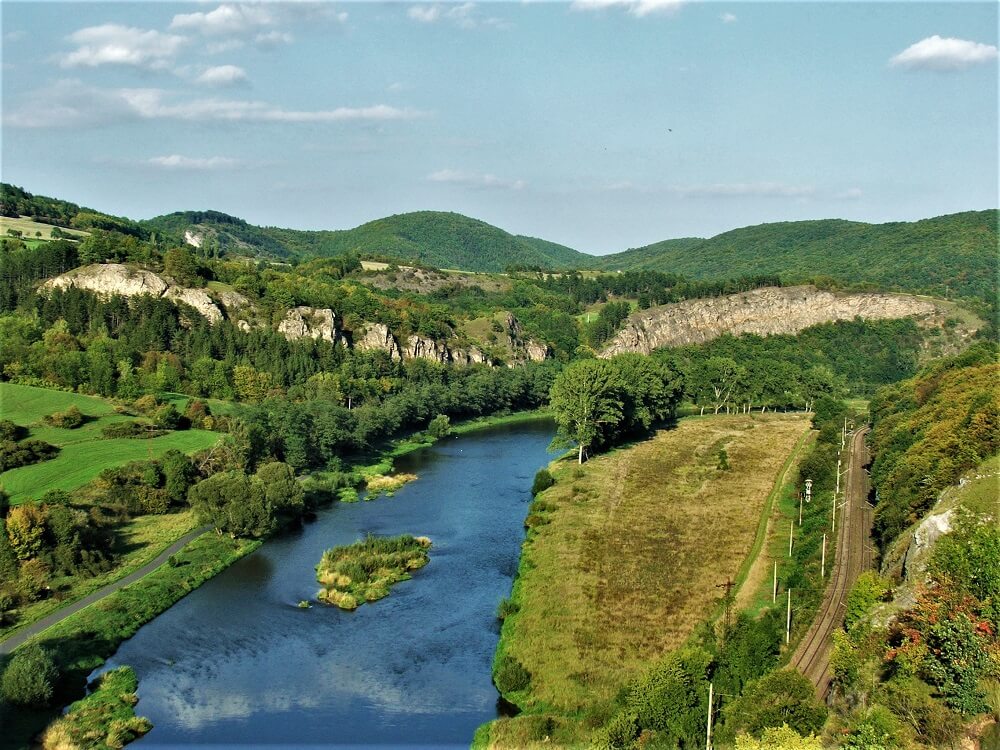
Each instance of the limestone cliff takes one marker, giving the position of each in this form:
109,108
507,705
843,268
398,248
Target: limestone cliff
767,311
109,279
310,322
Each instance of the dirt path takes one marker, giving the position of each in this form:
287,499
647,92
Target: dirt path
15,640
854,554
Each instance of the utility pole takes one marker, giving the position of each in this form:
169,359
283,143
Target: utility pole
800,509
822,564
708,730
837,489
788,619
774,589
727,598
833,516
791,530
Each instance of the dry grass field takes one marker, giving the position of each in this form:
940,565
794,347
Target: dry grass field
630,559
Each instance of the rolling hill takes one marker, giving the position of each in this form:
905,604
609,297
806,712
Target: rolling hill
948,255
434,238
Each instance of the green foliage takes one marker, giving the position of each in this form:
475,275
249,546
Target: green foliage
969,560
867,591
877,730
68,420
778,738
954,254
672,697
30,677
928,431
25,453
440,426
506,608
780,698
723,464
543,480
618,734
363,572
509,675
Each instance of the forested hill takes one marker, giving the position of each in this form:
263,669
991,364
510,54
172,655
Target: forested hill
434,238
954,255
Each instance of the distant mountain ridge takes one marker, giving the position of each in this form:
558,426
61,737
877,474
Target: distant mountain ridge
434,238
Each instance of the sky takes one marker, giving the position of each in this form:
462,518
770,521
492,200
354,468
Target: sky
599,124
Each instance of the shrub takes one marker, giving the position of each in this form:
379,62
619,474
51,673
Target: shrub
131,429
543,480
781,697
10,431
506,608
439,426
509,675
878,730
672,697
145,404
723,464
866,593
13,455
30,677
68,420
618,734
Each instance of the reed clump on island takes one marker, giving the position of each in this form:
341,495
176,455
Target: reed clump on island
363,572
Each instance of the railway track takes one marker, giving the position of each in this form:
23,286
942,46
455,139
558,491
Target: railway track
854,553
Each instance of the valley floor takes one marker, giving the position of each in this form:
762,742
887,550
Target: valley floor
628,552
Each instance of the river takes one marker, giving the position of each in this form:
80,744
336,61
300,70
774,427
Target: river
237,663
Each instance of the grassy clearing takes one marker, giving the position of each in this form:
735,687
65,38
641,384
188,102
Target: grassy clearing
105,718
363,572
84,453
81,643
28,227
387,484
626,553
140,540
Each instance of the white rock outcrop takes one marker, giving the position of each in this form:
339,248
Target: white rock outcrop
110,279
376,337
310,322
766,311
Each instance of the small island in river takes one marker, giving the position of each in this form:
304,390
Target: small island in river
363,572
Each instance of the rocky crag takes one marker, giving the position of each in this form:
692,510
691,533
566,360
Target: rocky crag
766,311
111,279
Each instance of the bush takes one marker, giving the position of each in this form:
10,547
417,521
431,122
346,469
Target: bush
11,431
13,455
672,697
723,464
868,591
618,734
543,480
68,420
439,426
509,675
506,608
131,429
30,677
781,697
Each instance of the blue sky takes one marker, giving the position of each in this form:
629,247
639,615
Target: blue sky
601,124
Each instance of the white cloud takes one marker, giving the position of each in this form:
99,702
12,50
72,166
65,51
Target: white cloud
745,190
464,15
228,18
273,38
71,104
637,8
943,54
178,162
223,75
114,44
728,18
472,179
15,36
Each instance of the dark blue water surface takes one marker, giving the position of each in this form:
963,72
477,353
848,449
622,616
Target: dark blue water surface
237,663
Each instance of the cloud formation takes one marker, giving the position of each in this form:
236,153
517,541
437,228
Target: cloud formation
114,44
71,104
223,75
178,162
728,18
464,15
637,8
946,54
228,18
475,180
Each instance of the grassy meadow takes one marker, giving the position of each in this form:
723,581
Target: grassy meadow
627,551
84,452
28,227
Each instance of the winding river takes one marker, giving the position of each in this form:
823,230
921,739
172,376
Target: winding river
237,663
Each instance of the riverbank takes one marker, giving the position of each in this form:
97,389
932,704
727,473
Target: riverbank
649,532
84,640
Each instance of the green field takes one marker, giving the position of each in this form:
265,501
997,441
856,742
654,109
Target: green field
84,452
28,228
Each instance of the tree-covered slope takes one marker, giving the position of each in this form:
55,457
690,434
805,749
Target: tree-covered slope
947,255
648,258
440,239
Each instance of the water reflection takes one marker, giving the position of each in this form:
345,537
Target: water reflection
235,663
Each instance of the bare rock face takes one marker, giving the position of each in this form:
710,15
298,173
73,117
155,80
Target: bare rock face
378,338
471,356
197,299
310,322
535,351
110,279
418,347
522,350
767,311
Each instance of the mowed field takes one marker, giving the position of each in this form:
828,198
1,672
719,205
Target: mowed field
28,227
84,453
632,556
